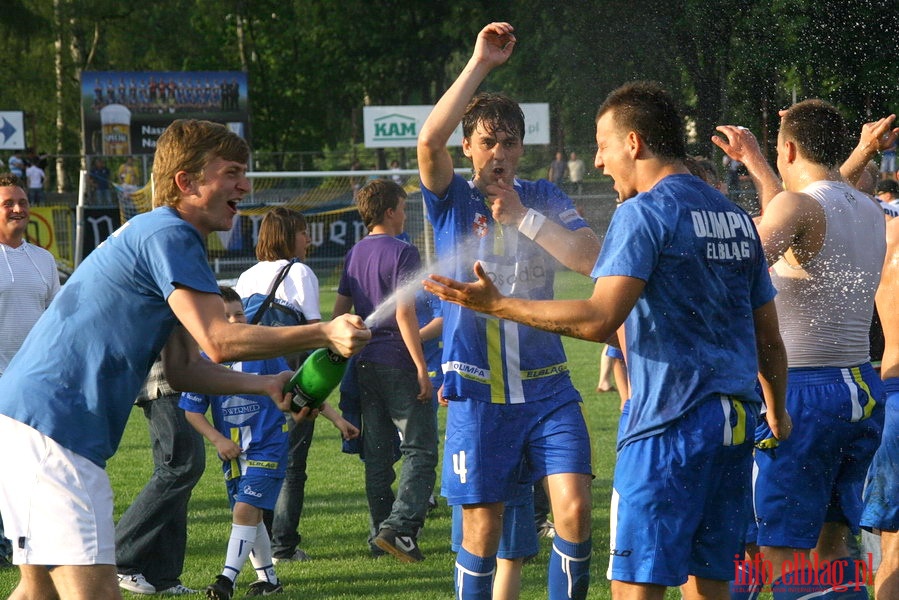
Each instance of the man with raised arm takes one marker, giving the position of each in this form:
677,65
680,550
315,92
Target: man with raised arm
682,267
826,242
509,391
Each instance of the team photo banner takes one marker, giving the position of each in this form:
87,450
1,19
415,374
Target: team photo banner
124,112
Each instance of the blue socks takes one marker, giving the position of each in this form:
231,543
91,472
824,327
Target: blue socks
473,576
569,569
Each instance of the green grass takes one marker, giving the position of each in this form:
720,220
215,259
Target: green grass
335,517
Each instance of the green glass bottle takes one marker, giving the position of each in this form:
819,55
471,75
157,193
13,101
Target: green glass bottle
317,377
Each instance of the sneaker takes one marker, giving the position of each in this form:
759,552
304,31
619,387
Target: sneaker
177,590
403,547
136,583
298,556
264,588
546,529
221,589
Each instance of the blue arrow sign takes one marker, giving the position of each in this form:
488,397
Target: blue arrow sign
12,130
7,130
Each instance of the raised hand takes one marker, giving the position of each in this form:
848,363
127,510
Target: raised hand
740,145
878,135
494,44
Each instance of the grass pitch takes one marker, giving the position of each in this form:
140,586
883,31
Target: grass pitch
335,517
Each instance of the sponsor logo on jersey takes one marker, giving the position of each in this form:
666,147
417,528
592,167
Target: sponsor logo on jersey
479,225
237,410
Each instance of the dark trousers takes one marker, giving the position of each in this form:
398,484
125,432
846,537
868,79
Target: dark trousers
151,537
284,523
389,403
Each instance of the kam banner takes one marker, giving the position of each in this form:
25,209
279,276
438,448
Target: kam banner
398,126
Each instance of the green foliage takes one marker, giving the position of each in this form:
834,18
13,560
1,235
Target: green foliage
312,64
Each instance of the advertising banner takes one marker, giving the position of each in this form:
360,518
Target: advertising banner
123,112
398,126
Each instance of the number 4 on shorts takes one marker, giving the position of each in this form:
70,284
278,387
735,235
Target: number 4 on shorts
459,466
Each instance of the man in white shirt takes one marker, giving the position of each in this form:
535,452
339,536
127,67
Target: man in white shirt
28,281
36,177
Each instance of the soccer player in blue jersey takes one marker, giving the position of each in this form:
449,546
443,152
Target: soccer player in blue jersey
683,268
250,435
509,390
68,392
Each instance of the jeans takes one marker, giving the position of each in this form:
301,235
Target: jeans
151,537
389,403
289,507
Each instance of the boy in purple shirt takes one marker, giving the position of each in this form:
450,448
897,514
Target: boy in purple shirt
392,374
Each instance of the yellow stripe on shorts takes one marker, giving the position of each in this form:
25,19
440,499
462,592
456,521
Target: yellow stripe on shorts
868,408
235,465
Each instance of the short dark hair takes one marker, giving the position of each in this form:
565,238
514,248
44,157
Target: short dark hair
645,108
890,186
819,131
277,233
375,198
497,112
228,294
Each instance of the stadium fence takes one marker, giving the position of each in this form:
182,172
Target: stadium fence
324,197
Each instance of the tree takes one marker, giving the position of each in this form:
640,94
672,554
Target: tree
312,64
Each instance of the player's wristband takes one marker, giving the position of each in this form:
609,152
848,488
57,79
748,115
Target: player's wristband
531,223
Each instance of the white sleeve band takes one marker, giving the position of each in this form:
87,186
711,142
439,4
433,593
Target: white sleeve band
531,223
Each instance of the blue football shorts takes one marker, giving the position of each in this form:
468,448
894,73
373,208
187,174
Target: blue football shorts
679,497
817,474
486,442
256,488
881,493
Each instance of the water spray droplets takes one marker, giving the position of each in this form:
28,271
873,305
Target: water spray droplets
444,266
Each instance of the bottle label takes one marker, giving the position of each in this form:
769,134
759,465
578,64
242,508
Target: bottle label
300,400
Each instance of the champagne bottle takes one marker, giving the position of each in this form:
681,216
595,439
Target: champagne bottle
317,377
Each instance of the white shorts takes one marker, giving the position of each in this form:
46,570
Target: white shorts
56,505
